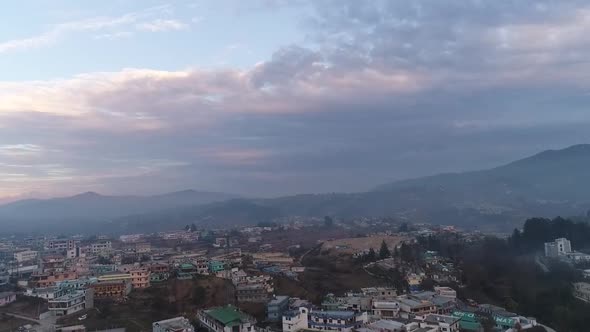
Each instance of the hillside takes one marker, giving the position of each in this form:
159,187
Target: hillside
554,182
83,209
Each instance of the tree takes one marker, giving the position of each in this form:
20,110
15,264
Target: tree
193,227
187,227
403,228
371,256
384,251
395,252
427,284
199,295
328,222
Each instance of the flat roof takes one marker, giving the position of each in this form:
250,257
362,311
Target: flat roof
278,299
226,315
334,313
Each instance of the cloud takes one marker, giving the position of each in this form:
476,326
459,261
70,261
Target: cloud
381,90
143,20
160,25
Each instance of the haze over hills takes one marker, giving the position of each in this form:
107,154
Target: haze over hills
90,206
553,182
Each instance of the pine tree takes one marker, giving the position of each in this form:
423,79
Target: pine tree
384,251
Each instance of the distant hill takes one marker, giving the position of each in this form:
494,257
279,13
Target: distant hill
87,207
554,182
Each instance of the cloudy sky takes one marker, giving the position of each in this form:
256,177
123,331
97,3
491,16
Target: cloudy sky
269,97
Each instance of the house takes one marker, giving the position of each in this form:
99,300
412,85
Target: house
7,298
559,247
385,309
252,293
68,304
226,319
582,291
383,325
140,278
216,266
443,322
410,307
276,307
115,289
25,256
44,280
177,324
446,292
101,247
303,318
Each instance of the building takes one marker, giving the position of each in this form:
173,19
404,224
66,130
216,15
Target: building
252,293
6,298
4,275
25,256
216,266
446,292
336,320
62,244
276,307
76,284
385,309
559,247
410,308
140,278
384,326
101,247
582,291
68,304
115,289
226,319
47,293
443,322
44,280
177,324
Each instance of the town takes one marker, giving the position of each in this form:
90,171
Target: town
297,276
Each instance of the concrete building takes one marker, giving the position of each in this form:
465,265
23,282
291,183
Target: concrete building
62,244
115,289
296,320
140,278
276,307
582,291
43,280
25,256
216,266
101,247
306,319
6,298
559,247
252,293
4,275
68,304
446,292
384,326
385,309
443,323
177,324
410,308
226,319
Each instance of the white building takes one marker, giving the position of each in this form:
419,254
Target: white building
306,319
68,304
446,292
385,309
177,324
559,247
295,320
582,291
101,247
25,256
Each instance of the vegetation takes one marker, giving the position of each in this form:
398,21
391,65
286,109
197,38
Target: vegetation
537,231
384,251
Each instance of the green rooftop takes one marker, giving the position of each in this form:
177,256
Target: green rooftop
226,315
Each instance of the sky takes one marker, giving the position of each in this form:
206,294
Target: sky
275,97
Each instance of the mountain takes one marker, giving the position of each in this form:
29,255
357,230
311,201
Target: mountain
553,182
90,206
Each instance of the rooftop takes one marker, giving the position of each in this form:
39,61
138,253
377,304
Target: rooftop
174,324
226,315
440,318
333,313
278,300
6,294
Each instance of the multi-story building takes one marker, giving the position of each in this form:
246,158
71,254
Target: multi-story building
101,247
44,280
76,284
446,292
582,291
276,307
62,244
252,293
47,293
385,309
216,266
4,275
559,247
177,324
140,278
410,308
68,304
25,256
443,323
226,319
115,289
306,319
7,298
